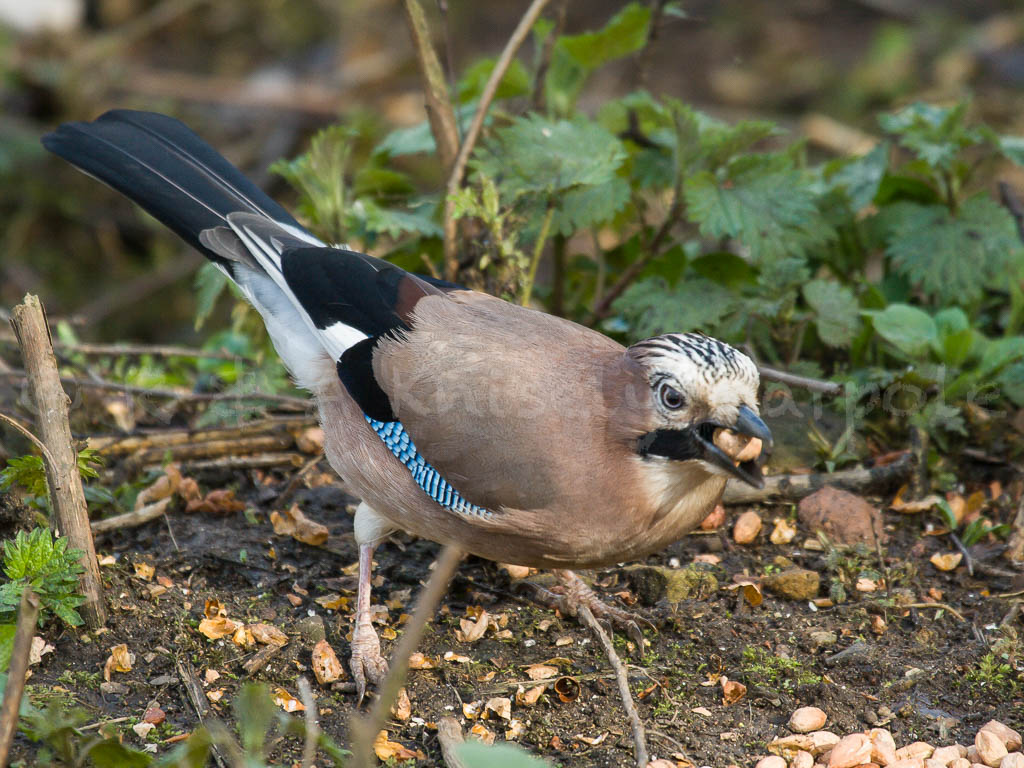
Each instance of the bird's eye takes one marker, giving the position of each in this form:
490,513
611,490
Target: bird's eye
670,397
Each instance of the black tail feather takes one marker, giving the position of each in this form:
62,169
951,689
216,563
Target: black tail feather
167,169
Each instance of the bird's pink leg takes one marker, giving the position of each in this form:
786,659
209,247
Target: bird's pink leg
367,664
574,591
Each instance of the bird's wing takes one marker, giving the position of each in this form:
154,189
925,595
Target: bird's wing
513,407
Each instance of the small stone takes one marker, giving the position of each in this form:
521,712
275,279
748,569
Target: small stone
883,746
1012,760
908,762
747,526
845,518
946,755
960,762
807,719
822,741
931,762
823,638
850,751
787,746
771,761
1010,738
794,584
311,629
802,759
991,749
114,689
918,749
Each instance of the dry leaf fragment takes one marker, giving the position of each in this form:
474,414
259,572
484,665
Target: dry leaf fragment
593,741
216,695
292,522
268,634
527,698
482,734
310,440
470,631
162,488
516,572
385,749
455,658
732,691
326,667
243,637
286,701
471,709
541,671
913,507
218,627
420,661
120,660
946,561
865,584
106,560
39,649
562,641
211,676
221,501
142,729
515,730
486,677
144,571
716,519
567,689
333,602
501,706
402,708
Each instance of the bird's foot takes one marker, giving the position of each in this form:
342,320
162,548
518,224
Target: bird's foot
573,592
367,663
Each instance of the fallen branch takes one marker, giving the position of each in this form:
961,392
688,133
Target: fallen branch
131,519
830,388
213,448
68,497
364,728
635,723
260,659
455,177
227,463
28,613
449,736
120,445
284,401
795,487
138,350
197,698
937,606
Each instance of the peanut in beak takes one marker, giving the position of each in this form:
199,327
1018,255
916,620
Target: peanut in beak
738,447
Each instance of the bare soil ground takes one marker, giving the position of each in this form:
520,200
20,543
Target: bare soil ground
925,676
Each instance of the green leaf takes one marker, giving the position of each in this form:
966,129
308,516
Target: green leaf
477,755
418,138
255,712
589,205
1011,383
860,177
725,268
210,282
575,57
515,82
6,644
26,472
909,329
935,134
1012,148
952,258
956,337
999,353
769,208
837,315
378,220
651,307
535,155
110,753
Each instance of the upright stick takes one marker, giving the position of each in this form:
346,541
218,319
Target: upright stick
66,492
28,612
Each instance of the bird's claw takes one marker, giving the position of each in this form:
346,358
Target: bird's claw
368,665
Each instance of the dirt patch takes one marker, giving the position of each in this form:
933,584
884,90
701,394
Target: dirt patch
922,671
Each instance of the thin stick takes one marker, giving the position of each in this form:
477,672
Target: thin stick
35,440
312,727
131,519
455,178
538,249
435,87
449,736
138,350
28,612
795,487
791,379
70,510
196,697
365,728
639,738
297,403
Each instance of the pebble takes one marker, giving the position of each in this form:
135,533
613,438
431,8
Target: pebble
946,755
1010,738
794,583
823,638
1012,760
883,747
311,629
802,759
807,719
850,751
918,749
771,761
960,762
747,526
990,747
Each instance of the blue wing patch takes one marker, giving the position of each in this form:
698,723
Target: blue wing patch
426,477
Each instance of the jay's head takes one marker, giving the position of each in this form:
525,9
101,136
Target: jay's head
702,404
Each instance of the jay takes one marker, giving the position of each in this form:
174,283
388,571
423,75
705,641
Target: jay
512,434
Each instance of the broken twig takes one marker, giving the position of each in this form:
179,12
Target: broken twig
70,510
28,612
795,487
637,726
830,388
449,736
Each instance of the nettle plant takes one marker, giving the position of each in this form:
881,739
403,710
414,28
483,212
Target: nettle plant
894,272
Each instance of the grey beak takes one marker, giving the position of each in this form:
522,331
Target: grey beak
749,423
